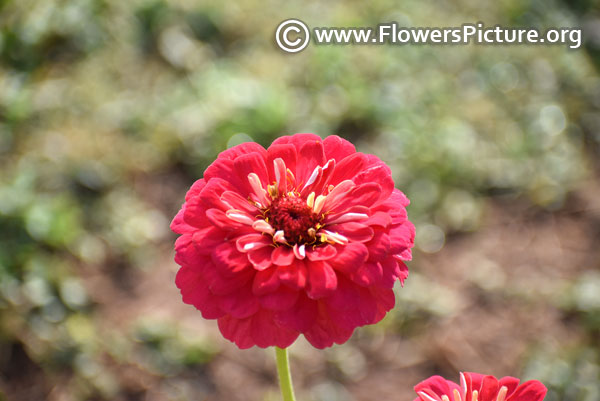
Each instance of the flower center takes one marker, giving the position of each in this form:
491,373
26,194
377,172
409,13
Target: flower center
294,217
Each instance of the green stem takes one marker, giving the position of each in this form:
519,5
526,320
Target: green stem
285,377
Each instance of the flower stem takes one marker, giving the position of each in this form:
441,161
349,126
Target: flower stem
285,377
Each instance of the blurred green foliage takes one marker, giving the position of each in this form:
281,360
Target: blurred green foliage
110,109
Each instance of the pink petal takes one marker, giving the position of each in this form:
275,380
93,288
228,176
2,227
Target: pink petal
331,218
219,219
337,148
355,232
489,388
310,156
195,189
379,246
338,195
322,280
402,237
511,383
261,257
222,169
403,271
294,275
228,260
223,285
241,149
178,225
251,242
297,139
435,387
195,292
236,201
265,281
210,196
282,299
325,332
324,252
208,238
265,331
287,152
237,331
379,219
364,194
251,163
380,174
473,381
391,271
282,256
367,274
186,253
301,316
241,304
351,305
348,168
385,300
531,390
349,257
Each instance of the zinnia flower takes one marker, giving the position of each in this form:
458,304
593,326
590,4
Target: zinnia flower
305,237
477,387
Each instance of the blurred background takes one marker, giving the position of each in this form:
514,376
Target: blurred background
109,110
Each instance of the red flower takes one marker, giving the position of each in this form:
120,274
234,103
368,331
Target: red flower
306,237
477,387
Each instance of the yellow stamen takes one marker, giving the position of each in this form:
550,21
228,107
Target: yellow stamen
475,395
273,190
457,396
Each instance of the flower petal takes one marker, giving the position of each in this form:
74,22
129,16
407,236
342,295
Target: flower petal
337,148
195,292
435,387
511,384
353,231
325,332
287,152
368,274
349,257
379,246
324,252
282,299
489,388
349,167
265,281
294,275
301,316
322,280
259,329
261,257
228,260
282,256
242,305
531,390
251,242
310,156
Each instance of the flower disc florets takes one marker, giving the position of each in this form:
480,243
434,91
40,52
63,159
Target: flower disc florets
305,237
295,219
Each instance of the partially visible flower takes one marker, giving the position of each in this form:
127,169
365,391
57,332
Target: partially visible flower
305,237
477,387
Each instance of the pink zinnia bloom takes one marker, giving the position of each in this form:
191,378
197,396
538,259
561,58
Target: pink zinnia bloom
305,237
477,387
